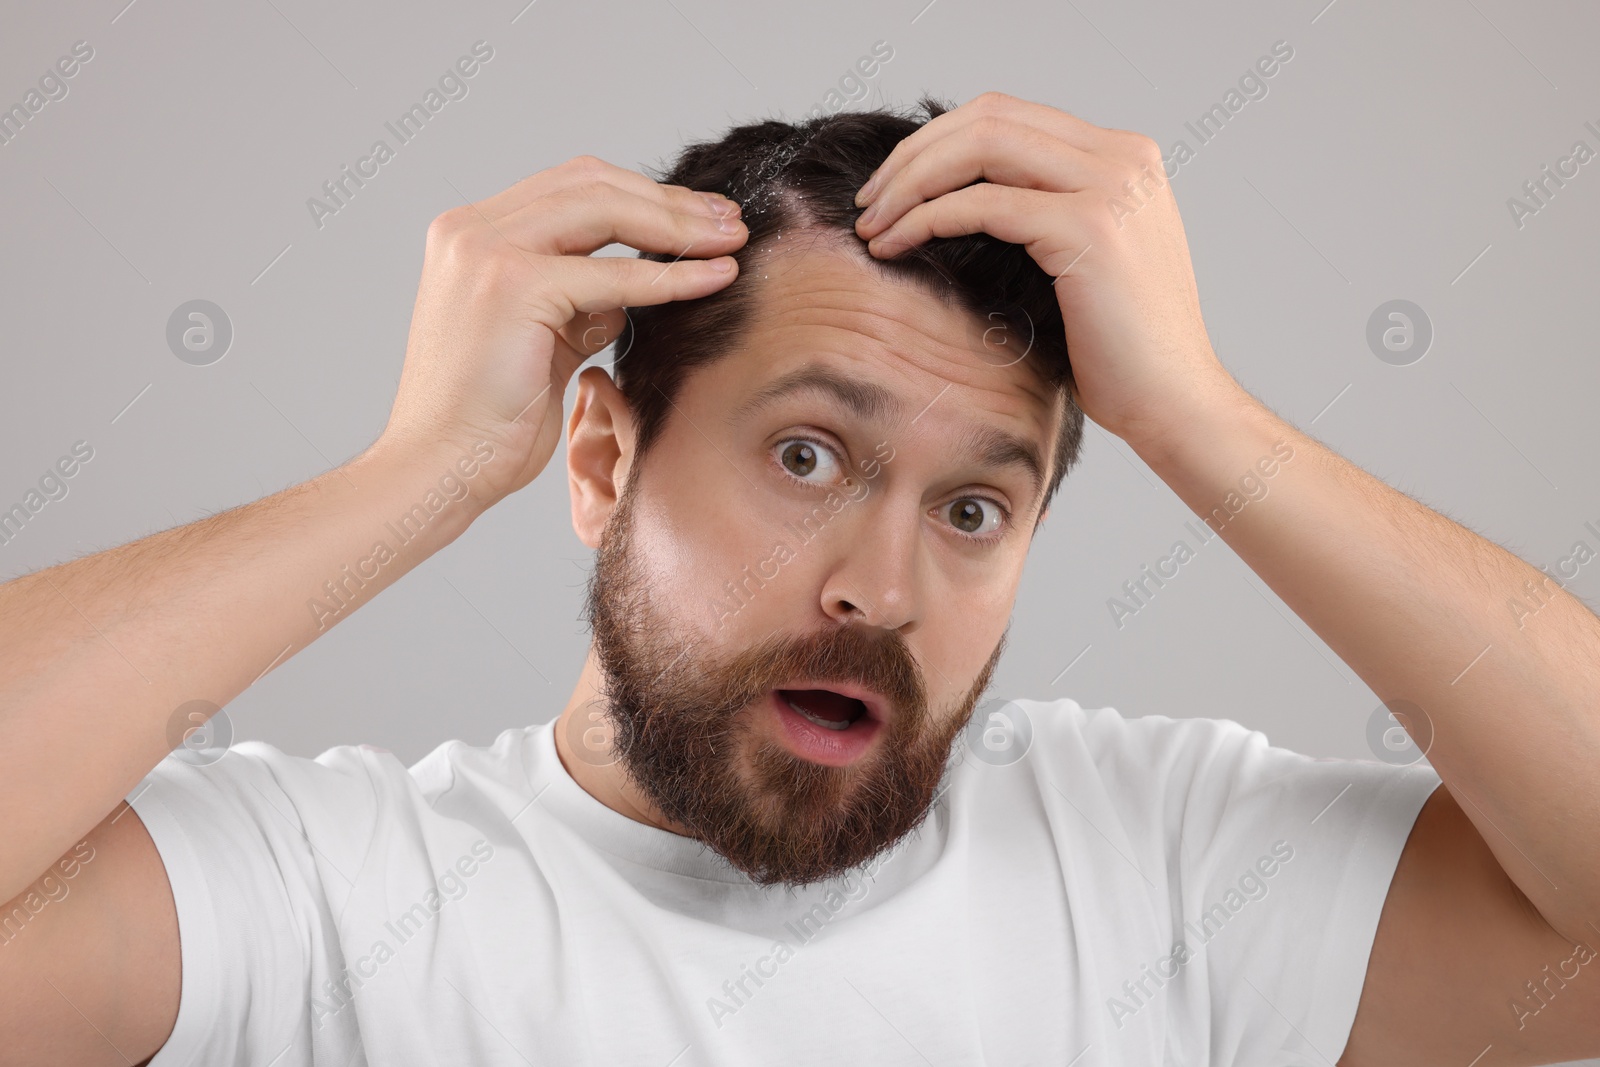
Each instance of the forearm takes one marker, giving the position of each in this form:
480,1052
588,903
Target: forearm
1423,610
98,655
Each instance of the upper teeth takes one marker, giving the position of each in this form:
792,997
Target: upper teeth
842,724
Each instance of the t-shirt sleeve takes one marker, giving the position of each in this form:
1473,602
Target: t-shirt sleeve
1277,865
256,899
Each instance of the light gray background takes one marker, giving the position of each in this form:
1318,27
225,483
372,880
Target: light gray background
1378,166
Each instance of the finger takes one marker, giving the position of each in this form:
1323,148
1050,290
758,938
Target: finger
677,197
1070,128
1048,224
601,283
590,331
584,170
1002,151
584,219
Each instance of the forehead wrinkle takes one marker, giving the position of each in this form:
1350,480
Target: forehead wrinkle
800,281
899,330
868,401
879,320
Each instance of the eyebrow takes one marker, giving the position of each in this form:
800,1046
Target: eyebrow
868,401
996,448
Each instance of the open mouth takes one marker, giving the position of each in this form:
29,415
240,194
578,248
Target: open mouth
829,710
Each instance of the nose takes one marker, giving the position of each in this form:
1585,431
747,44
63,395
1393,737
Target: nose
875,572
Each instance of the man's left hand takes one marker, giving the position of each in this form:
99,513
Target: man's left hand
1094,209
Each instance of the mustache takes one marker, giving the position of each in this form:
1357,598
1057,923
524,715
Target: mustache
848,653
711,697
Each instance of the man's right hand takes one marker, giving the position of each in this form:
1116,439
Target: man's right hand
511,303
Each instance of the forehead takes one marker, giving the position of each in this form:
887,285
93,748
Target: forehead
821,302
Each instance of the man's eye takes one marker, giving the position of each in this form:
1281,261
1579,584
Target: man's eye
804,458
975,515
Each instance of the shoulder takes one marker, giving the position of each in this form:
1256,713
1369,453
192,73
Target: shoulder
1201,779
1064,736
339,801
1070,765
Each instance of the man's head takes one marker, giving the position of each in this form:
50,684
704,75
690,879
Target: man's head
812,495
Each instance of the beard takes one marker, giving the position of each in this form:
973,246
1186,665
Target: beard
681,721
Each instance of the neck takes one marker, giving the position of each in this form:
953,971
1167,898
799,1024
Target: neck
589,764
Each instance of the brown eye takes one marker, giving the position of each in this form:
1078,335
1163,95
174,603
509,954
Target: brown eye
808,460
974,516
800,458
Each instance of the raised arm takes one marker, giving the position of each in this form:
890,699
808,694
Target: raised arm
107,661
1493,916
1496,900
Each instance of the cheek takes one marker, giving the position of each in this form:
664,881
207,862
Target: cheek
715,551
960,635
960,650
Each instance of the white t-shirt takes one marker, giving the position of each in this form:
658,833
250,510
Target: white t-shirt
1131,891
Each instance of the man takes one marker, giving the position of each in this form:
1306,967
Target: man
761,829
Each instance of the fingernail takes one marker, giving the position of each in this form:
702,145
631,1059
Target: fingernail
889,243
716,205
722,265
864,196
868,215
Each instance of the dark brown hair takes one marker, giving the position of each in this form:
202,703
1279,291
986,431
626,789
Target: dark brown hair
788,177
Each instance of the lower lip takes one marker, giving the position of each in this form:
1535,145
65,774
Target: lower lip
832,748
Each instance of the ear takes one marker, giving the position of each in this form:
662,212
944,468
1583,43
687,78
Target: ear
599,452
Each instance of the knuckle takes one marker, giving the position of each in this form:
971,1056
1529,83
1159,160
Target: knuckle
588,207
454,236
591,192
993,100
445,225
587,166
1141,147
481,262
991,129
